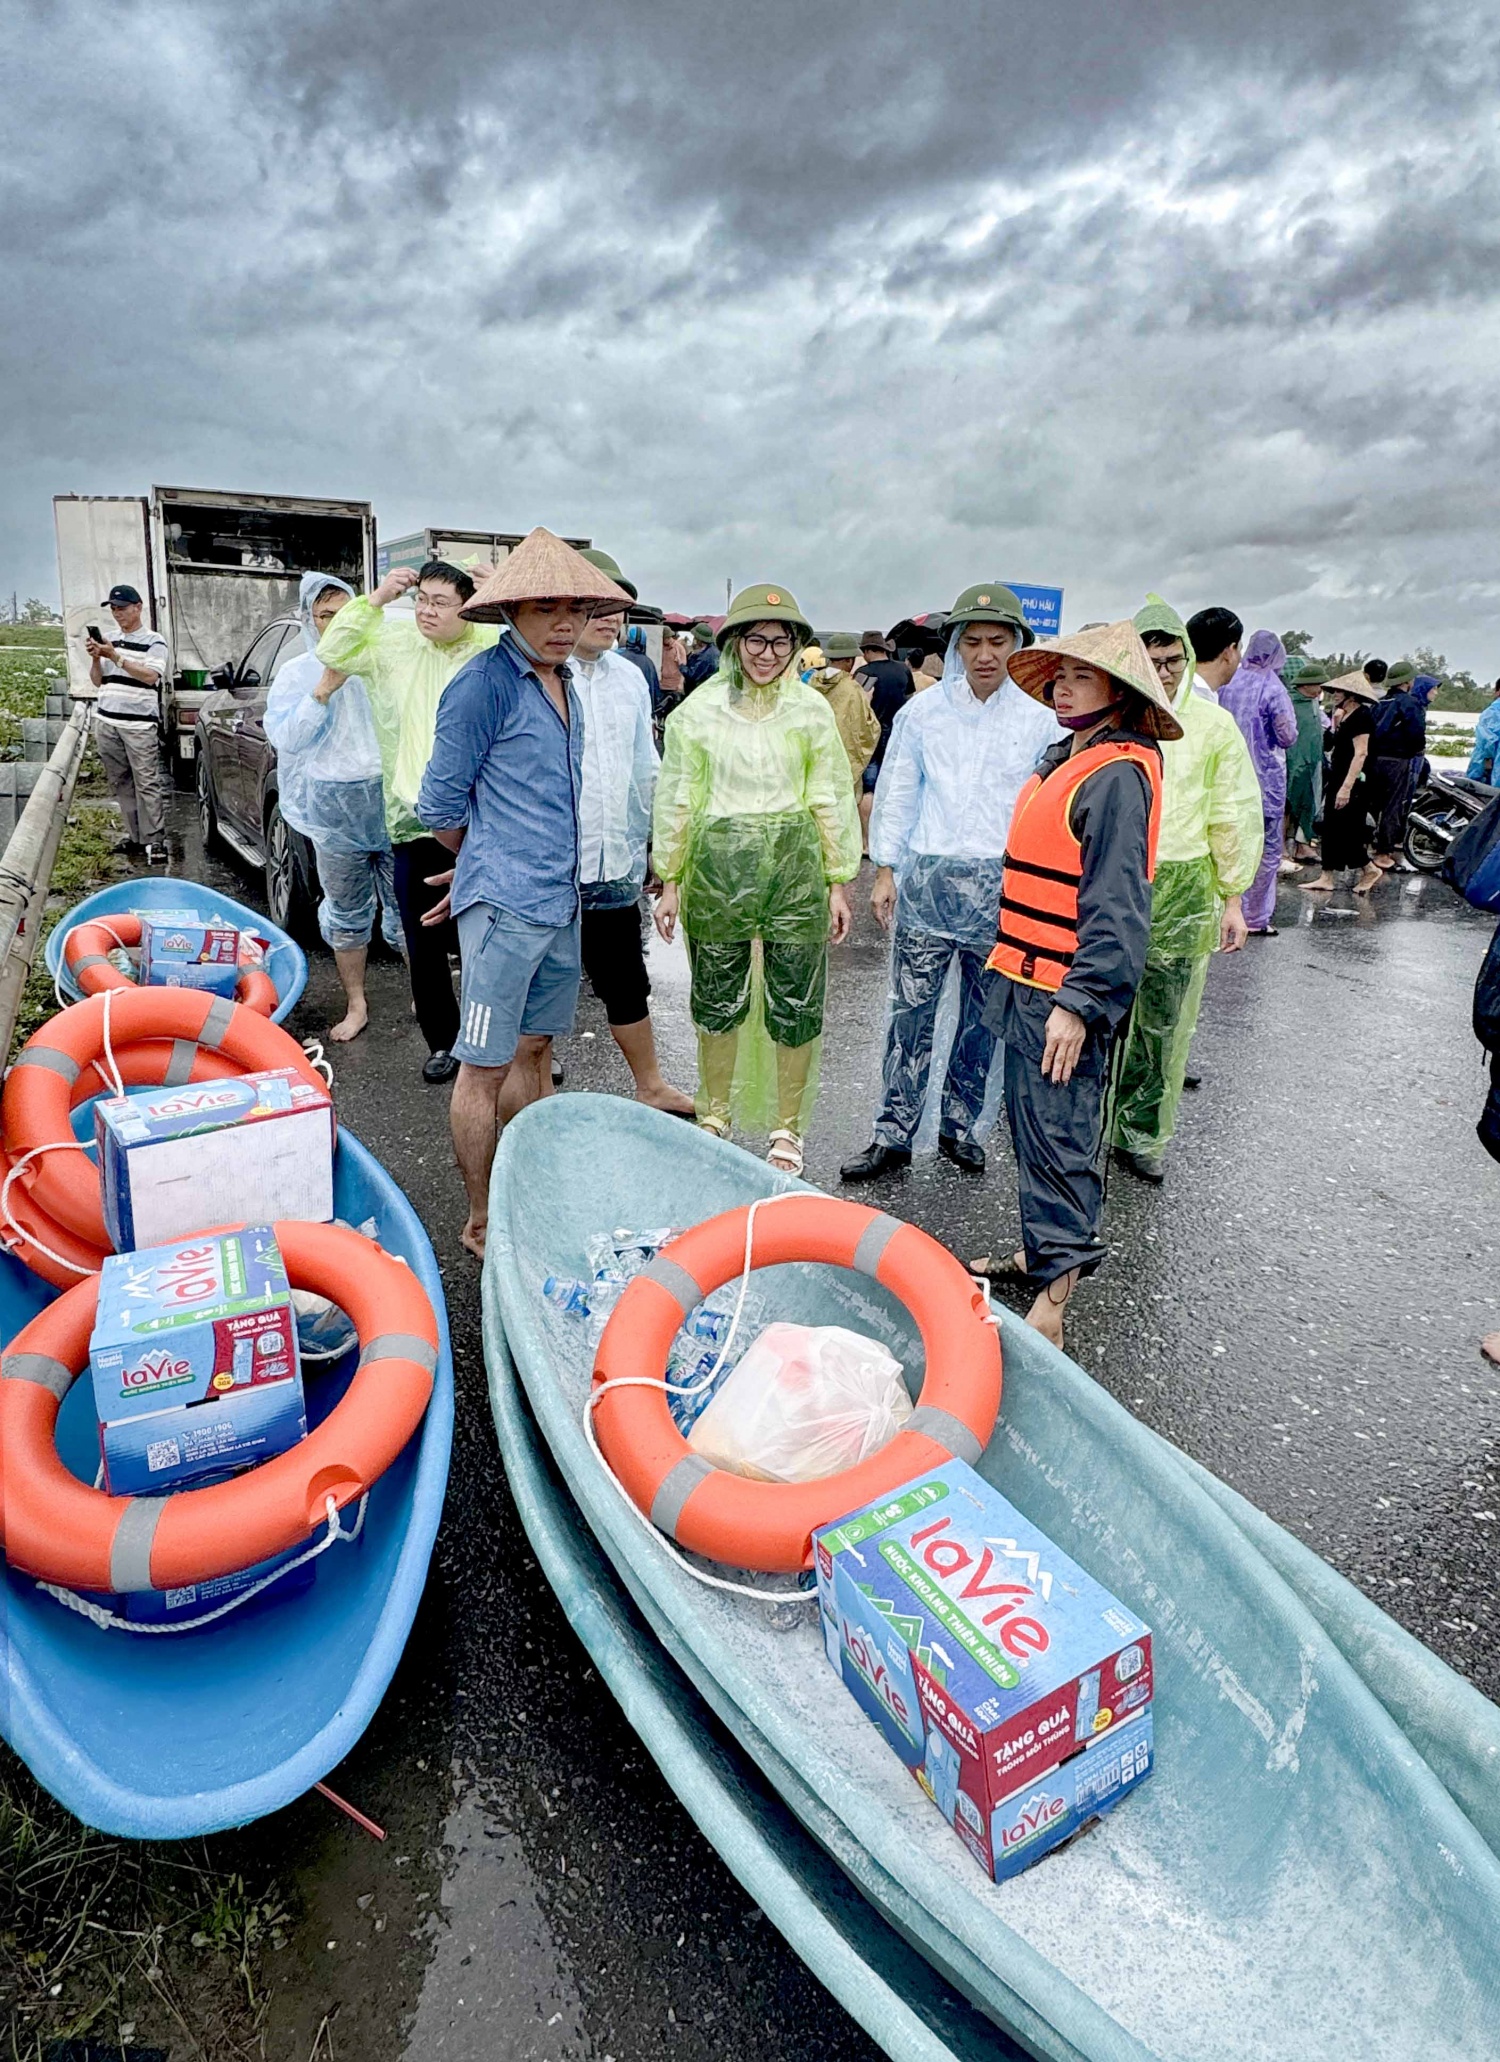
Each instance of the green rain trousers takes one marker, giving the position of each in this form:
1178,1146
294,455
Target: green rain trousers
760,877
1185,915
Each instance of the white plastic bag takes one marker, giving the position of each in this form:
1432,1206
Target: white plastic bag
804,1401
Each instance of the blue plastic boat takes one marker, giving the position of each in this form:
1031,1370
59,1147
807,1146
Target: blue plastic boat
1293,1881
165,1737
286,962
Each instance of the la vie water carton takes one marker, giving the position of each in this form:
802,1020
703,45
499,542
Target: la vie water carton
256,1146
180,950
194,1361
993,1663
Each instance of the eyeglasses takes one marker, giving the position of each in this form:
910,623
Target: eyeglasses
1169,664
767,647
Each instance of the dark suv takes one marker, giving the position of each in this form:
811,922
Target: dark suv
238,789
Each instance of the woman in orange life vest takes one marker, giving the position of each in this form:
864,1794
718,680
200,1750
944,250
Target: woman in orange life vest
1075,915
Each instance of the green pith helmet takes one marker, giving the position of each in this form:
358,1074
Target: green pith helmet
764,605
1307,673
989,602
841,644
611,571
1402,674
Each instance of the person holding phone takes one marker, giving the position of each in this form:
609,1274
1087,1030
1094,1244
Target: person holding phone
128,669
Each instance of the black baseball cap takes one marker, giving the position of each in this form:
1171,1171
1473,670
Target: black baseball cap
120,595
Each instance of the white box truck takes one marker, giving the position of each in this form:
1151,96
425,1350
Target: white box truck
212,569
471,549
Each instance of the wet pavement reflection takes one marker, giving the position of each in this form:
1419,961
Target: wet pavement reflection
1299,1307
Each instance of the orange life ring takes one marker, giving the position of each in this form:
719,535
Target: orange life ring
58,1256
86,955
769,1525
60,1530
151,1063
35,1103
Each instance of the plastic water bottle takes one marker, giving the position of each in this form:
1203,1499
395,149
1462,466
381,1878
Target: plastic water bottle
704,1323
1088,1705
942,1772
569,1296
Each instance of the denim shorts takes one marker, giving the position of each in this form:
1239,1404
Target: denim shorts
519,980
354,884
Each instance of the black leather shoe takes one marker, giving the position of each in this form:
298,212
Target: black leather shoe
557,1073
963,1152
875,1160
1141,1166
439,1066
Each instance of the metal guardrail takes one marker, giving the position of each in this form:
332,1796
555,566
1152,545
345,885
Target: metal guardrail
26,867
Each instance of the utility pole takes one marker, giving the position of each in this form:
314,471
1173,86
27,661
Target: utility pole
728,594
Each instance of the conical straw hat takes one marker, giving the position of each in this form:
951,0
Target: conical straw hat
1355,684
1115,648
540,567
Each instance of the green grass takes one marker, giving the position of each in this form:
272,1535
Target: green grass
120,1942
23,681
86,859
32,633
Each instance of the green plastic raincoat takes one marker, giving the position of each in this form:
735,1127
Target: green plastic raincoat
1212,835
404,675
755,818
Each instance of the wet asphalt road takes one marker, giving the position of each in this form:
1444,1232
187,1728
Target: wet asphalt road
1298,1307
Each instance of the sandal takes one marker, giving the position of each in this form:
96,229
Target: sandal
1012,1270
714,1124
786,1152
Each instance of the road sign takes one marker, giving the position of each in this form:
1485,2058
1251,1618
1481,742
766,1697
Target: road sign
1041,606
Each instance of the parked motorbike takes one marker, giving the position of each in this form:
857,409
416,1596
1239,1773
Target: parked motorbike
1442,810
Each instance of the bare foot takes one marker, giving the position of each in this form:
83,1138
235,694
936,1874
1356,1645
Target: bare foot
1323,885
473,1236
665,1097
1489,1346
1046,1318
1367,880
350,1024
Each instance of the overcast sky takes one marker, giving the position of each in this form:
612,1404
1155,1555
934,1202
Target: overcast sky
874,301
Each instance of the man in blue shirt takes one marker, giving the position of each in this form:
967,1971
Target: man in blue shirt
501,790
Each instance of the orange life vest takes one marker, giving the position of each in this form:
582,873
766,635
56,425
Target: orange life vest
1038,930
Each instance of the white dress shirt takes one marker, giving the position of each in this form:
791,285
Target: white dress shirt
619,769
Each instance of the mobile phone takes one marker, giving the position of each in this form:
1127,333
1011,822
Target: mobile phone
95,632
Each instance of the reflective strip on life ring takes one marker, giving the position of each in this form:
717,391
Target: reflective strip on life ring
60,1530
38,1089
769,1525
87,947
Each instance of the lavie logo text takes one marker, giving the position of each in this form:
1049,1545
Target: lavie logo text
948,1559
1038,1812
157,1371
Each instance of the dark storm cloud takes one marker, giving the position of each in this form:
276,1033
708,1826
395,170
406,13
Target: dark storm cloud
881,297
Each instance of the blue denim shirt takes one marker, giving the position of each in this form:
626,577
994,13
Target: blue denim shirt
506,769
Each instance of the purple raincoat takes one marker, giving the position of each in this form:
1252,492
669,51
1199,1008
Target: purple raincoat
1261,706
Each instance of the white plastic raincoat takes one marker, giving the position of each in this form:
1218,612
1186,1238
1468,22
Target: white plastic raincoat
327,755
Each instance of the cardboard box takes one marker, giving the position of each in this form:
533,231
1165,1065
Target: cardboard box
194,1362
172,1160
1050,1808
951,1613
198,1599
179,950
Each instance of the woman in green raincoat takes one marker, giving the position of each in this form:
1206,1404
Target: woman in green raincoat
755,831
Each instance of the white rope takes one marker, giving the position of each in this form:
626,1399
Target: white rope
109,1051
107,1621
596,1396
29,1238
315,1054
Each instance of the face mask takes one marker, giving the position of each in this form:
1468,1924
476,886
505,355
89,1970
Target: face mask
1087,722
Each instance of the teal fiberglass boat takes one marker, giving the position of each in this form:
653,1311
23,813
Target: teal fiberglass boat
1295,1880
